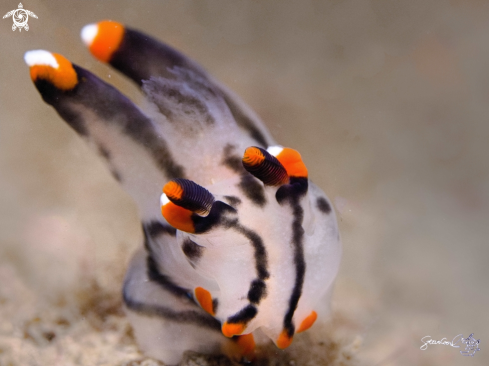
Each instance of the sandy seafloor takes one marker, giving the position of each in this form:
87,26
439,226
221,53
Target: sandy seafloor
386,100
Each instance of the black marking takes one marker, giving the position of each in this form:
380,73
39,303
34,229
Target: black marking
260,253
296,188
53,96
192,250
177,100
215,218
140,57
244,315
156,228
112,108
151,231
253,189
233,200
292,193
257,291
165,281
245,122
196,317
231,160
105,153
323,205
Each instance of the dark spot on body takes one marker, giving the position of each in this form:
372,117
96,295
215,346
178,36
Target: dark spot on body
192,250
233,200
253,189
231,159
323,205
233,163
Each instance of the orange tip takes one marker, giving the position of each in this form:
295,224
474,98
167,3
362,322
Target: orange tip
253,156
246,344
173,190
178,217
284,340
232,329
103,38
204,298
52,67
291,160
308,322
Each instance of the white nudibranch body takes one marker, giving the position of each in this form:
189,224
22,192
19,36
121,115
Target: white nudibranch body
243,248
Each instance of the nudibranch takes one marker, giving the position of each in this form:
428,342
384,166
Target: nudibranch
241,247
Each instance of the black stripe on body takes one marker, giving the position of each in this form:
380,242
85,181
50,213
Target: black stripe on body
257,289
195,317
111,107
105,153
292,194
152,231
260,253
245,122
244,315
253,189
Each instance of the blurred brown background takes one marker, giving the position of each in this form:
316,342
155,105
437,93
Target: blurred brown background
386,100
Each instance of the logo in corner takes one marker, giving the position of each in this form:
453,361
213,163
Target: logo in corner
20,17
